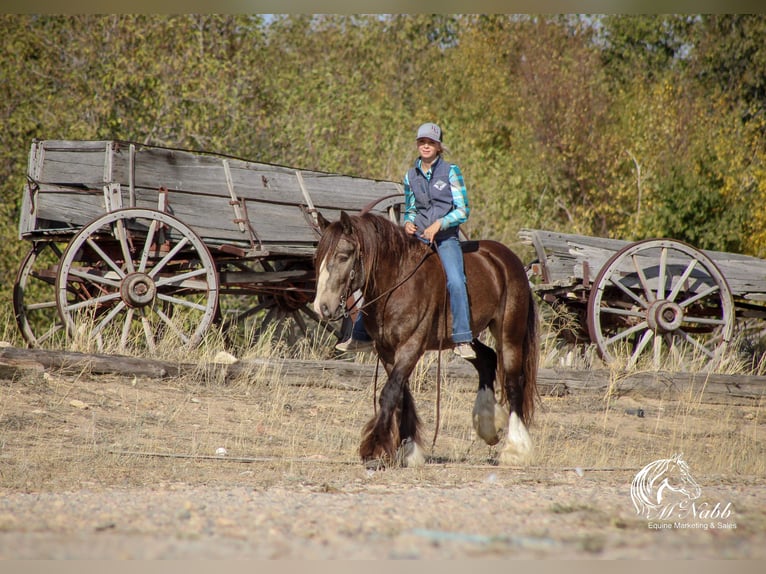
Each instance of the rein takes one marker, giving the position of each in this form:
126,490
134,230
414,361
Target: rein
387,291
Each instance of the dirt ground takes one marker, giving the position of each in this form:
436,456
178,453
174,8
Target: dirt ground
126,468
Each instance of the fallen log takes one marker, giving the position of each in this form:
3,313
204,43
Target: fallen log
348,375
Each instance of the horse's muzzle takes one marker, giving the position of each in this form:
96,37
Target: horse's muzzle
326,313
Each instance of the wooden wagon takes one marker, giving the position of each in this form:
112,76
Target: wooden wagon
145,245
661,300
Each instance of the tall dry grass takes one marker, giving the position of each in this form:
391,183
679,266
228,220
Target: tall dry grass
287,421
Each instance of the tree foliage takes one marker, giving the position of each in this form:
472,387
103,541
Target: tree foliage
619,126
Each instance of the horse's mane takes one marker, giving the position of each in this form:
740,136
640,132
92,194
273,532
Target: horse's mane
378,238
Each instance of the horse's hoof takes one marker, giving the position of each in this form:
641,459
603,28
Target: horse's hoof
375,464
487,421
517,450
410,455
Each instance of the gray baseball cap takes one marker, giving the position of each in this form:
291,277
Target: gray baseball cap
430,131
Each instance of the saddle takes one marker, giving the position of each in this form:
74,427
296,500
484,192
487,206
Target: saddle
469,246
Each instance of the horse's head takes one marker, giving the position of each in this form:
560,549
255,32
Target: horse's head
339,267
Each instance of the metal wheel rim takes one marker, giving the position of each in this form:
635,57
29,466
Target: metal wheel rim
691,282
186,299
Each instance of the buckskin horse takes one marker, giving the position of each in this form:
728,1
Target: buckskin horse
406,313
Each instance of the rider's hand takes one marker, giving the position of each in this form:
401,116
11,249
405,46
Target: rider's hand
410,228
432,230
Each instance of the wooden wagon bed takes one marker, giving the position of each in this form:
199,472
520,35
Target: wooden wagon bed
229,202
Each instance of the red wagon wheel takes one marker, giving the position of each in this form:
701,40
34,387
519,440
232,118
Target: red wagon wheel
34,295
664,300
137,278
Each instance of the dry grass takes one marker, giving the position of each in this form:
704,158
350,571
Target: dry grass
56,428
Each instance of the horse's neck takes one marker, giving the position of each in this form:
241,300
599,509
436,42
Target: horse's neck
386,274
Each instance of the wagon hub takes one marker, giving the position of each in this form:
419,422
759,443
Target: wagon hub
664,316
138,290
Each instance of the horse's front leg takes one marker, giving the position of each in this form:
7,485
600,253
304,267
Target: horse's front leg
393,434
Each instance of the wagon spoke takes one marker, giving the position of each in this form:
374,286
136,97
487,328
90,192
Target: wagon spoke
93,278
41,306
180,302
645,338
622,312
704,320
105,258
55,328
108,318
696,344
121,233
642,278
92,302
148,334
700,295
657,354
661,274
168,257
170,323
145,328
627,333
178,279
126,328
680,283
148,245
629,293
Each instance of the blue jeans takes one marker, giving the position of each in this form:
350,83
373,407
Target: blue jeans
358,332
451,255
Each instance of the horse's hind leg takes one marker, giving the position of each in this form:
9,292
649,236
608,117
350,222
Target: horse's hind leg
488,417
517,449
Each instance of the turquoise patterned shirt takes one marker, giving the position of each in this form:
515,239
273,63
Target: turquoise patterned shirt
460,208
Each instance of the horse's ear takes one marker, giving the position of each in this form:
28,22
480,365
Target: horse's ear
345,221
321,221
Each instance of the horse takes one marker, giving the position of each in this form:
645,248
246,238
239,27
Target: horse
662,487
405,311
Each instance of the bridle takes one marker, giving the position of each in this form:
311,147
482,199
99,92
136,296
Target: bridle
349,288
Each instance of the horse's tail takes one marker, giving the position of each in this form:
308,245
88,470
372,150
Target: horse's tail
531,353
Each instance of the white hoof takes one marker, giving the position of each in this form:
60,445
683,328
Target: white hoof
517,450
485,417
410,454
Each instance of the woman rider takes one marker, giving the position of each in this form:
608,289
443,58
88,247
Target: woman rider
435,205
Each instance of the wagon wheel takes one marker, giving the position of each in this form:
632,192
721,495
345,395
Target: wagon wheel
34,295
660,298
138,277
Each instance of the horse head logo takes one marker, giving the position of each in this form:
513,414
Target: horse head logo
663,486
